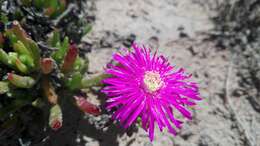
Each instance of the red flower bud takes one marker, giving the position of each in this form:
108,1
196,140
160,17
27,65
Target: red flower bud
56,125
47,65
70,58
55,119
86,106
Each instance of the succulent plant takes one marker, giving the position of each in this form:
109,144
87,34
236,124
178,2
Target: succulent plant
51,8
41,68
40,17
32,76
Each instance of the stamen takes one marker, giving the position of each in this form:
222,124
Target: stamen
152,81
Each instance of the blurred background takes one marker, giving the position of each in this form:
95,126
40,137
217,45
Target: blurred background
218,41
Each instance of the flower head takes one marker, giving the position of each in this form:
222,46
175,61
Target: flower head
145,85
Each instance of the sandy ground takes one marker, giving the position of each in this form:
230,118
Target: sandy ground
160,24
176,27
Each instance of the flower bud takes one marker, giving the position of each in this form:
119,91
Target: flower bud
55,118
47,65
70,58
86,106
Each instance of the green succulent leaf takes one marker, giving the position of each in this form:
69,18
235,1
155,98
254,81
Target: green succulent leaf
12,56
4,87
54,39
27,60
80,65
15,62
3,18
94,81
20,48
87,28
21,81
26,44
53,3
39,3
65,45
21,67
4,58
12,37
74,82
62,50
35,53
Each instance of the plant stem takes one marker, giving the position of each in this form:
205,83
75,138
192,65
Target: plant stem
95,81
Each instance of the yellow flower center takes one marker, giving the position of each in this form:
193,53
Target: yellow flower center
152,81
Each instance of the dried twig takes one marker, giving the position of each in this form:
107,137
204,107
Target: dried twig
248,138
45,47
64,14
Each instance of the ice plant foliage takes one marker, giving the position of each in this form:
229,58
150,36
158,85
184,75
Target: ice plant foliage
31,72
39,72
145,85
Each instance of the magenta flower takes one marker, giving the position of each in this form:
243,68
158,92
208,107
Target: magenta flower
144,85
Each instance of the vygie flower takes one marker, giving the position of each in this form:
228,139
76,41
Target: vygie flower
145,85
